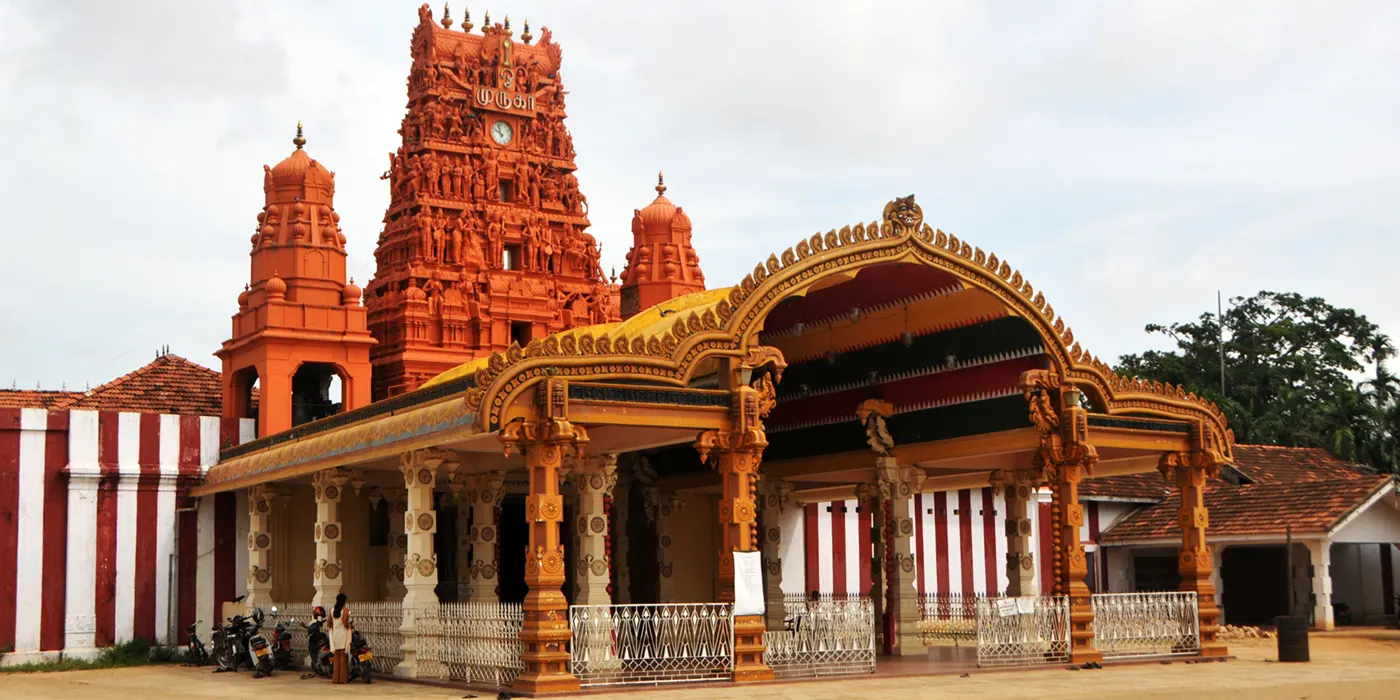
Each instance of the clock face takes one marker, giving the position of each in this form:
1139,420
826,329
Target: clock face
501,133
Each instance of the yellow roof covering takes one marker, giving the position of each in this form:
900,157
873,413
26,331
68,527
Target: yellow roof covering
646,323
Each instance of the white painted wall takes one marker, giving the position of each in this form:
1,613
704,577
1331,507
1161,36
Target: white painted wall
1380,522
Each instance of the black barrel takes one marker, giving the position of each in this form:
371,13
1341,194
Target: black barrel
1292,638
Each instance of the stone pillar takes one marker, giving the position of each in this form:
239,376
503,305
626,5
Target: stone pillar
1071,566
1019,491
738,452
621,512
662,507
395,501
594,477
1320,556
898,484
545,633
777,497
485,494
329,485
260,498
419,469
1195,560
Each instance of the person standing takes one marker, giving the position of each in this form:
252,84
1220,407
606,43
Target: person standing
340,640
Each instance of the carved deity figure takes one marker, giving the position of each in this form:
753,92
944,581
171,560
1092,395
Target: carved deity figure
433,290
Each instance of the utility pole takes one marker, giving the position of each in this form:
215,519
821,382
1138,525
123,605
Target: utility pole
1220,322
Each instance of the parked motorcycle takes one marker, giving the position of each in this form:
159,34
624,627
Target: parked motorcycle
359,656
195,653
281,644
240,641
318,643
223,637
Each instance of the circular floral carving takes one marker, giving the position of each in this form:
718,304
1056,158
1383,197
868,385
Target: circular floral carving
425,521
549,510
743,512
774,534
598,524
487,495
552,562
907,565
906,526
425,476
263,575
665,540
595,482
488,571
582,525
263,541
488,534
666,511
401,541
426,567
318,531
666,570
904,489
1025,527
332,571
332,531
1027,562
332,493
599,568
262,506
250,540
401,507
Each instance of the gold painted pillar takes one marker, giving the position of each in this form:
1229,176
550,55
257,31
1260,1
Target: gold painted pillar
777,497
260,498
1071,565
419,469
898,484
545,634
1019,491
663,506
737,453
485,496
329,486
1191,470
594,478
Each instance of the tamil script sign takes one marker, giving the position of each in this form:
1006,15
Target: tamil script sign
505,101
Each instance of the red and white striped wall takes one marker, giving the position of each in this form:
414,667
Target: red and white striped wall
959,542
97,542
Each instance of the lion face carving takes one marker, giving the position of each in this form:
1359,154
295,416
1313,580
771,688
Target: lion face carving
904,213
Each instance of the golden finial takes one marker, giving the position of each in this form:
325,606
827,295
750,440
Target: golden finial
466,20
299,140
526,37
660,183
507,25
486,23
446,16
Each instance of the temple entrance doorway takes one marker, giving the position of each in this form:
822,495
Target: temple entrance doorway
515,537
1254,583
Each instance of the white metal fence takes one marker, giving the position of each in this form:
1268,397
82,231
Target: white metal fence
949,618
476,643
379,623
1146,624
1022,631
826,636
648,644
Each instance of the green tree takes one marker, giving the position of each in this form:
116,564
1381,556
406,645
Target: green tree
1291,364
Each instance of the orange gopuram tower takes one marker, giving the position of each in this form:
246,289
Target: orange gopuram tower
661,265
299,324
484,241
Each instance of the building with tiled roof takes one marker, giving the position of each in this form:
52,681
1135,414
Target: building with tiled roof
170,384
1344,520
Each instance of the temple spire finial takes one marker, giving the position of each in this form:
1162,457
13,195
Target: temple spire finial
527,36
660,183
466,19
299,140
507,26
446,16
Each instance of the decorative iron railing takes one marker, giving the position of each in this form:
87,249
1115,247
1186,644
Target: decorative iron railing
824,636
379,623
477,643
295,616
949,618
1146,624
650,644
1022,631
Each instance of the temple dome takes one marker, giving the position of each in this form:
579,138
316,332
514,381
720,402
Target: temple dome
299,169
351,294
661,213
275,287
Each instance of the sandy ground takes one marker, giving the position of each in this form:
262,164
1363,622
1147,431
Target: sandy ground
1350,666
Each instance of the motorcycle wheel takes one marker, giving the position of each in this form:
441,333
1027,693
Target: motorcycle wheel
226,658
367,673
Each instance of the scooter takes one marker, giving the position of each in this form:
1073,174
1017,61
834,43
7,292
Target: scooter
359,655
318,647
281,644
195,653
259,651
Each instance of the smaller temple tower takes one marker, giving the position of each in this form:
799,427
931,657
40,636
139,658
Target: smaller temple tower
662,264
299,324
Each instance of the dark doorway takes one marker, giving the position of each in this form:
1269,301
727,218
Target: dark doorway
312,395
1155,574
644,577
515,537
1254,583
445,546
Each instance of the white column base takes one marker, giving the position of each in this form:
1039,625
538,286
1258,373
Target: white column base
20,658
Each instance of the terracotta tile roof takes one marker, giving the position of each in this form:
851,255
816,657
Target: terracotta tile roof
1147,488
1270,464
35,398
170,384
1311,507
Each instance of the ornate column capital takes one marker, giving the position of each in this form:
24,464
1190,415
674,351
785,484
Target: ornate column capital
595,473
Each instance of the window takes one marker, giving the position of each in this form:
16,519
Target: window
520,333
514,259
507,189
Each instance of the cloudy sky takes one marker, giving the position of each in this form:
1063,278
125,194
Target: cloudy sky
1129,158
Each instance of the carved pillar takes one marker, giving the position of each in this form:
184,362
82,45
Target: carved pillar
898,484
777,497
1194,562
460,496
662,507
545,634
1073,567
594,477
329,485
395,503
1019,489
618,522
260,500
419,469
738,452
486,493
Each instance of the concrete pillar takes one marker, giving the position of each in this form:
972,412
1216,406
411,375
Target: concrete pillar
1320,555
80,596
898,484
260,499
777,498
1020,546
395,500
594,478
485,494
419,469
329,486
662,507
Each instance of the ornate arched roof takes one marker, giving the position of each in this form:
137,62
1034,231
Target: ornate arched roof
669,343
